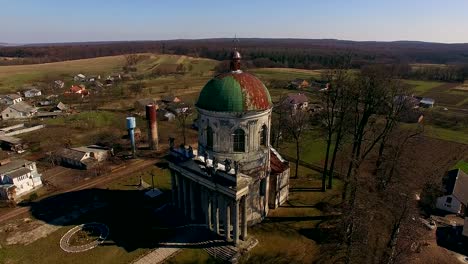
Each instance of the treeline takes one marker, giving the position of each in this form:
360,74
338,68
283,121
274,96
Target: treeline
295,53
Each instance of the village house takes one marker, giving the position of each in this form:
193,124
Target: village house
93,78
60,107
33,92
456,190
299,84
11,143
82,157
177,108
140,104
427,102
164,115
11,99
18,178
170,99
18,110
78,89
294,102
79,78
58,84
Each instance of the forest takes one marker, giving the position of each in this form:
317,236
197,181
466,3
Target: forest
293,53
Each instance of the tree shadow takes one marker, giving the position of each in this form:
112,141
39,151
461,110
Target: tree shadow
131,216
312,189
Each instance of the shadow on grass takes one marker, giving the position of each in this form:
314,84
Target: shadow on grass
129,214
298,218
313,189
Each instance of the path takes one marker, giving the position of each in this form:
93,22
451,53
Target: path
132,166
191,238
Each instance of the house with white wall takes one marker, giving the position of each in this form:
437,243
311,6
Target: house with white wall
17,178
455,185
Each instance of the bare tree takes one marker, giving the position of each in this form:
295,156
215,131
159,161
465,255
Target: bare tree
295,124
181,118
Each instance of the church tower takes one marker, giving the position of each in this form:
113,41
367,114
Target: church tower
232,170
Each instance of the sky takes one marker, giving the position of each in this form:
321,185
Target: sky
44,21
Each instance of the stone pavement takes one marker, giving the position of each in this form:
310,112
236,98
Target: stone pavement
192,238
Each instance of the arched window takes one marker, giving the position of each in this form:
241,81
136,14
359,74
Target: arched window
263,135
209,138
239,140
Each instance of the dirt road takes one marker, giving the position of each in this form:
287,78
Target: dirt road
101,181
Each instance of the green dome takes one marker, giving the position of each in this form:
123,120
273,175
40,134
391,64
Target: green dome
234,92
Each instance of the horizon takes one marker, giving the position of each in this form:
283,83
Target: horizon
53,21
226,38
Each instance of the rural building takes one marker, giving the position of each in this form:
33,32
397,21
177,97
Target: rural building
82,157
79,78
140,104
32,93
60,107
456,188
164,115
94,78
11,143
18,110
299,84
170,99
227,183
17,178
177,108
294,102
80,90
58,84
427,102
11,99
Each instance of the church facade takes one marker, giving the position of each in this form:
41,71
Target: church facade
234,177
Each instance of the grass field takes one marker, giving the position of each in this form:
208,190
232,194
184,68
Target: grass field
266,74
420,87
13,78
460,136
462,165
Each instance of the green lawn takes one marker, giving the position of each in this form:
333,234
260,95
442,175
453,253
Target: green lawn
421,87
462,165
313,147
460,136
266,74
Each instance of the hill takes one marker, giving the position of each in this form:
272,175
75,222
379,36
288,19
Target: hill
297,53
12,78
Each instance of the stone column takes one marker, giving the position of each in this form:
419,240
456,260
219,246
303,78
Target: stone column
179,191
184,195
215,206
244,218
192,201
209,210
235,225
227,221
174,188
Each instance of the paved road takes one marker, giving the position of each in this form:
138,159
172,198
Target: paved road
100,181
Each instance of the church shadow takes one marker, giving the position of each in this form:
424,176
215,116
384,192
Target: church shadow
452,239
133,219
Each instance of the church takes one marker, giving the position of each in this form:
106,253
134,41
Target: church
234,177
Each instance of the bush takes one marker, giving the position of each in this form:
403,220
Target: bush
33,196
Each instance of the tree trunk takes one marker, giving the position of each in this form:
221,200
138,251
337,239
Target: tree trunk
325,166
335,153
297,158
